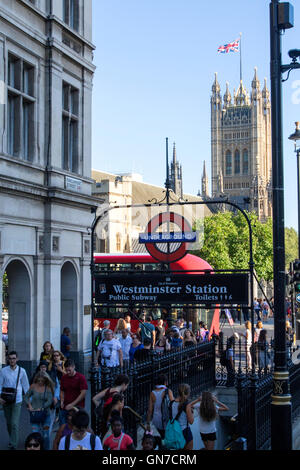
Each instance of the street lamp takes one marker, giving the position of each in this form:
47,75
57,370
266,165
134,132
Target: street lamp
295,137
281,18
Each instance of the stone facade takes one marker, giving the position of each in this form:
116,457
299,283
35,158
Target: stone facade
46,74
241,160
118,231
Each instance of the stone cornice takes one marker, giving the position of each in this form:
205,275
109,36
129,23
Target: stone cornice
58,195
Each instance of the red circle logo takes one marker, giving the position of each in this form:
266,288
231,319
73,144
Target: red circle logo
175,250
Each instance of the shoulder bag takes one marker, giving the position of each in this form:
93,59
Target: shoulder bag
9,394
39,416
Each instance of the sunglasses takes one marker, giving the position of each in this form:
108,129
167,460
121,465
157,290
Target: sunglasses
33,444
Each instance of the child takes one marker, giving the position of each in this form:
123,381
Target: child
118,440
148,442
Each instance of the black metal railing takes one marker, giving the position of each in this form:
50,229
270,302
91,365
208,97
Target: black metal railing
254,394
194,365
245,360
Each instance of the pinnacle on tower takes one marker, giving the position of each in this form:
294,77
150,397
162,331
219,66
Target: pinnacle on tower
204,181
174,153
265,91
255,81
255,93
241,96
227,96
204,170
216,86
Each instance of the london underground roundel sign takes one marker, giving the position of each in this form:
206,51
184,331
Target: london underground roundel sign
176,242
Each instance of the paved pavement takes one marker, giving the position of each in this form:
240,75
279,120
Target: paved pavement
240,328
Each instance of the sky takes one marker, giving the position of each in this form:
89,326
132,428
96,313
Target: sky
155,64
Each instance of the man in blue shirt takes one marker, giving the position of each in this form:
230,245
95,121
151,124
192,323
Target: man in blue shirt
65,342
147,330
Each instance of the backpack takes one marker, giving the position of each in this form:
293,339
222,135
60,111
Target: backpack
223,358
97,340
174,438
92,442
165,409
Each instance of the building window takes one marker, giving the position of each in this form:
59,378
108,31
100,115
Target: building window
71,13
228,163
237,164
20,109
118,242
245,162
70,121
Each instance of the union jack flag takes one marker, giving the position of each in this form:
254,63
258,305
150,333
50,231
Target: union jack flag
230,47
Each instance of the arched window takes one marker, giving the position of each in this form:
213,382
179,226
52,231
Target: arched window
228,163
237,163
245,162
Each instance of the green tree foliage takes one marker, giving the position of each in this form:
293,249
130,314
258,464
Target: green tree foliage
5,290
291,246
226,243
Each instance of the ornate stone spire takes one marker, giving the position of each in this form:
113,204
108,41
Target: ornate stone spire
255,81
176,174
255,93
265,91
204,182
216,86
227,96
174,154
241,97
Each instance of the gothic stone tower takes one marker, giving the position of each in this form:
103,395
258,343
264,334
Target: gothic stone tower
175,175
241,146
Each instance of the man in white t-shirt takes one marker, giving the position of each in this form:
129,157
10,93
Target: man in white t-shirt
125,342
80,439
110,351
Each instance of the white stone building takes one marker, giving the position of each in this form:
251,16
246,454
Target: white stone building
46,73
118,231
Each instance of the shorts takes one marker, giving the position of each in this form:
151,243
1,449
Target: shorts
187,434
208,437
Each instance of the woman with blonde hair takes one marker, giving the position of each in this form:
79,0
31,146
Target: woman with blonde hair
208,413
120,326
182,409
39,399
189,338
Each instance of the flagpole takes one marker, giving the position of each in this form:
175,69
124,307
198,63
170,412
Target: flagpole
241,77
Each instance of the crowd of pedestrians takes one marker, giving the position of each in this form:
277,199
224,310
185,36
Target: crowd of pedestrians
121,346
54,390
55,394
